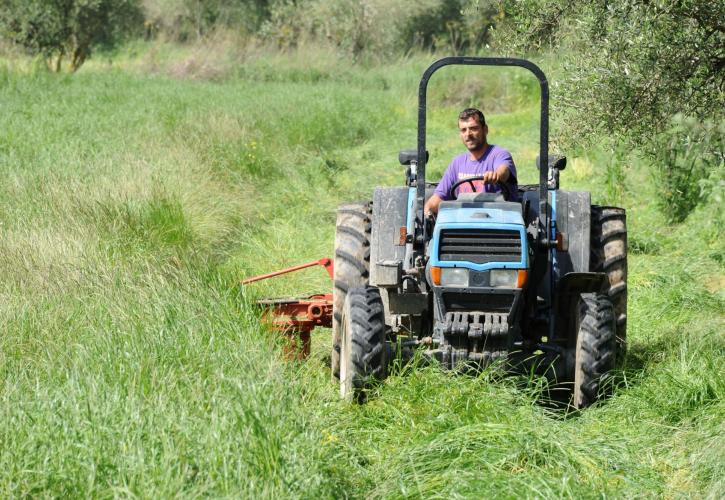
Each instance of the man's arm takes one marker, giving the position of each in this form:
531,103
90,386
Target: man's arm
431,206
501,174
505,170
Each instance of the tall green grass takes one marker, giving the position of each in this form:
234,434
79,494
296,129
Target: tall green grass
132,364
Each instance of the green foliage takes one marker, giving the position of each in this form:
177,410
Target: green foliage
644,60
68,28
615,176
690,160
382,28
455,27
182,20
629,65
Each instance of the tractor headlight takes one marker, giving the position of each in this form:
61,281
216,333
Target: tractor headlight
454,276
504,278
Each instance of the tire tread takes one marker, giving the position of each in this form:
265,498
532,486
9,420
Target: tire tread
367,338
596,347
609,255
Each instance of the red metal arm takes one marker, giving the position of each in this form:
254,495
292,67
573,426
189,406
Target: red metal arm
325,262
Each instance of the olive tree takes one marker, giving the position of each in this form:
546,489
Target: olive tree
645,74
68,29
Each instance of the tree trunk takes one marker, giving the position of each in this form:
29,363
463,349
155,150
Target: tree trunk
79,53
58,62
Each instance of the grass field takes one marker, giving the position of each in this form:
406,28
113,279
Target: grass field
133,200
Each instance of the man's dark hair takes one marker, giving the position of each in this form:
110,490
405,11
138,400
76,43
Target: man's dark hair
470,112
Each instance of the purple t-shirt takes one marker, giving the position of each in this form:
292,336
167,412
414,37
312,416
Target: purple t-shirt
463,167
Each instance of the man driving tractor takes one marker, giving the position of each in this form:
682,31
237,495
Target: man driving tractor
492,164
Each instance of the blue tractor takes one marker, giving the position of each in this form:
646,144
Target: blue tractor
537,284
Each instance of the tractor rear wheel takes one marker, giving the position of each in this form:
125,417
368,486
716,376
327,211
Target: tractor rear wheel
609,255
363,354
596,347
352,264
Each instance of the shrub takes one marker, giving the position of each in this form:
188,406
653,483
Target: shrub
382,28
68,28
181,20
446,26
689,157
645,61
630,65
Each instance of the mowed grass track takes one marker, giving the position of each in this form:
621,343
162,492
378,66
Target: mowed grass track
131,363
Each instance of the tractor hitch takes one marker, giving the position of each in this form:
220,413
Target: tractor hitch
295,318
324,262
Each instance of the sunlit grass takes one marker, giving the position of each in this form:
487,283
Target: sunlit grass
132,363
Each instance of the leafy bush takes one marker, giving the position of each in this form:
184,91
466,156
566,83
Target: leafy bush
456,27
690,164
181,20
644,61
381,28
57,29
630,65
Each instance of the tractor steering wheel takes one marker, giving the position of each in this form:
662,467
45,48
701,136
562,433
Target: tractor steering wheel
505,188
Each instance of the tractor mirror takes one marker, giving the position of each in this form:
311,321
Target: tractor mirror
557,162
408,155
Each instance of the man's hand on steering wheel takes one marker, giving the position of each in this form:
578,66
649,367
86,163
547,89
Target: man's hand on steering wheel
487,178
492,177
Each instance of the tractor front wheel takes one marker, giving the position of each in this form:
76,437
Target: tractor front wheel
596,347
363,353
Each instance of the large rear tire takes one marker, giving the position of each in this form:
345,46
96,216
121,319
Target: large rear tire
363,354
596,348
609,255
352,264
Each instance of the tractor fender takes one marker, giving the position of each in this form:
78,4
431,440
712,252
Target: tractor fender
387,239
391,224
573,219
572,212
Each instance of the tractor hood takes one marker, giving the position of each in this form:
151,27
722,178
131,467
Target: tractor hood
474,216
479,237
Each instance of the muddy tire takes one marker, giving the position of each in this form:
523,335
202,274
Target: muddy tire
362,354
352,264
609,255
596,348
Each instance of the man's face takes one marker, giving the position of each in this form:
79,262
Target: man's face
473,134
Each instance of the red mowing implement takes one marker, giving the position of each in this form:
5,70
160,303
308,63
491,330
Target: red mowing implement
297,317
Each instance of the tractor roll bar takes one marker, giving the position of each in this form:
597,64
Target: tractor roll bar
544,129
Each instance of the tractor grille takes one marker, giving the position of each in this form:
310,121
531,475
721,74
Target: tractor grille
454,301
480,246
